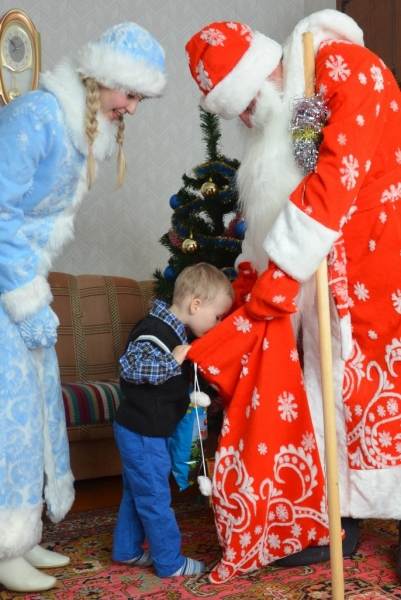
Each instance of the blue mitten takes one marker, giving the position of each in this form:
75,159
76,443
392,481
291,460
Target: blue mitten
40,329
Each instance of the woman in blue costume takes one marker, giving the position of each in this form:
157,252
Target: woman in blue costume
50,142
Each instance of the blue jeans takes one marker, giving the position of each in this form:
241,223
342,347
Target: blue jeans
145,510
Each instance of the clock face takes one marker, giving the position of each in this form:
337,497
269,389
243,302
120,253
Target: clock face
19,54
16,49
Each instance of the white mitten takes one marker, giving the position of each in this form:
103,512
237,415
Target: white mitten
199,399
40,329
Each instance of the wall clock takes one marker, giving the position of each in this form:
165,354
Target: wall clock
20,54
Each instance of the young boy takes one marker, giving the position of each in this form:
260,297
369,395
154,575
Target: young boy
155,381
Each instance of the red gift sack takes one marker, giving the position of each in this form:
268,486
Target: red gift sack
268,496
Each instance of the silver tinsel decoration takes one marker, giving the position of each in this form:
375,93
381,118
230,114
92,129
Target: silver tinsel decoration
308,119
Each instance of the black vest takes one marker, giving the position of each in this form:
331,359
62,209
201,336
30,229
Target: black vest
155,410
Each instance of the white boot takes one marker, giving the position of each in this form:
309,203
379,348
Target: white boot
17,575
46,559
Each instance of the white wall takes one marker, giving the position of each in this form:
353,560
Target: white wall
117,232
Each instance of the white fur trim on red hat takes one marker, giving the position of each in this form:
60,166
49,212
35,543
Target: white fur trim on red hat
231,96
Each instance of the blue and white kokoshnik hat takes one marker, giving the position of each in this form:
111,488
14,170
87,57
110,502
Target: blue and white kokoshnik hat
126,57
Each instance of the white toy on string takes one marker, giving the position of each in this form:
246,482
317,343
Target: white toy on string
201,399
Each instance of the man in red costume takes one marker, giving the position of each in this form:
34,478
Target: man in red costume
348,209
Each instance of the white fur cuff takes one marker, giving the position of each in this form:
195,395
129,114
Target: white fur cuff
24,301
20,530
298,243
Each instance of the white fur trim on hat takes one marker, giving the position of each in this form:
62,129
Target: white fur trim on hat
125,57
231,96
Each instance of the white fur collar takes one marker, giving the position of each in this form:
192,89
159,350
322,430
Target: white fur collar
325,24
64,82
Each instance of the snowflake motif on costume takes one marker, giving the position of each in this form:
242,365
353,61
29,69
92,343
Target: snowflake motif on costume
267,493
261,538
339,70
393,194
361,292
349,171
213,36
354,372
337,275
243,325
287,406
203,77
393,350
42,116
133,37
373,438
39,330
377,76
244,362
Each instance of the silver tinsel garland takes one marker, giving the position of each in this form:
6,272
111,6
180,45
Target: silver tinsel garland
308,119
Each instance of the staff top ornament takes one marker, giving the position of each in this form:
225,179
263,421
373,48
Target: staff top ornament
308,119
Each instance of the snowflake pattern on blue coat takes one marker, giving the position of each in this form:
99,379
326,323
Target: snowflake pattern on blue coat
40,173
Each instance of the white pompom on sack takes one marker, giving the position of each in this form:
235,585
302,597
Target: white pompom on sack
199,399
205,485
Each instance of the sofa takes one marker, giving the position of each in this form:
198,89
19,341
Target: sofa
96,314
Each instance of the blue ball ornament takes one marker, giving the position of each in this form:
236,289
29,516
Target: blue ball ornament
239,230
174,202
170,274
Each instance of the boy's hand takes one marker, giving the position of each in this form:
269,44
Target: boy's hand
180,353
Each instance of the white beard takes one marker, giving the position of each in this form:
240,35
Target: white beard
267,176
268,173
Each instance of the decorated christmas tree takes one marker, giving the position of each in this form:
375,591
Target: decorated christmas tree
206,225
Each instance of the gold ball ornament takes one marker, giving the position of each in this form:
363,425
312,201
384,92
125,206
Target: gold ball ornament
189,246
209,188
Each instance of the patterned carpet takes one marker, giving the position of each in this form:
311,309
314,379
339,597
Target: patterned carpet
87,538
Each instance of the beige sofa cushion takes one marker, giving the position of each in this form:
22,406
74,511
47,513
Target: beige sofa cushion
96,315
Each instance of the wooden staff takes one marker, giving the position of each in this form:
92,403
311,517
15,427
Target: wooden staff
326,366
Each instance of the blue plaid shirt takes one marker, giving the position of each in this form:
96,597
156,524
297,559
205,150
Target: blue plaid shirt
144,361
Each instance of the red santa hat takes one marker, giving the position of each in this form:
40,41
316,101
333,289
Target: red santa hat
230,62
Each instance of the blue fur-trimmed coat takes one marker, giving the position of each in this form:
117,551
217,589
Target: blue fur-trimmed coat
43,154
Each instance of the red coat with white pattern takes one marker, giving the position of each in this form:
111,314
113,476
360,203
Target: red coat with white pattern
350,208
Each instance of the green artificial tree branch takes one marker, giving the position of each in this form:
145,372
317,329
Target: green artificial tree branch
210,125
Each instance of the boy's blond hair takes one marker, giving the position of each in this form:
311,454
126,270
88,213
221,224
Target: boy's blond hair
203,281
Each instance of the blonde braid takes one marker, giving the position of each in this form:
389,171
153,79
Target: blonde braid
121,163
92,107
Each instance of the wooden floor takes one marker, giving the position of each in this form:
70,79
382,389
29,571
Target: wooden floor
105,492
97,493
